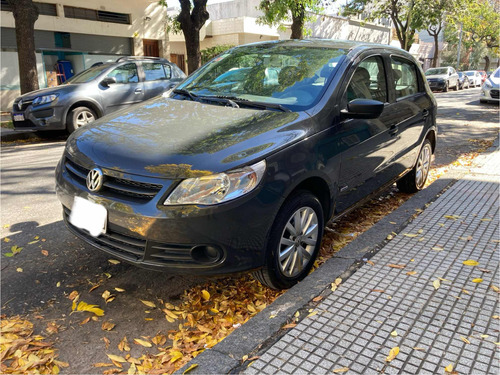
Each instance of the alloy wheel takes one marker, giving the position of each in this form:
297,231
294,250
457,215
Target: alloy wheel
84,118
298,241
423,165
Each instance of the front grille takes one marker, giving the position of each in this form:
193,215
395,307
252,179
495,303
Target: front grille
494,94
113,186
26,104
24,124
131,248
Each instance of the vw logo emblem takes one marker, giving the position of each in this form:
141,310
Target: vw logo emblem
95,179
20,105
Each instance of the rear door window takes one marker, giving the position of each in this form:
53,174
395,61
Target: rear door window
405,77
156,71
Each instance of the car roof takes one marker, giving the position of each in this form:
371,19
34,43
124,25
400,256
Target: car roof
325,43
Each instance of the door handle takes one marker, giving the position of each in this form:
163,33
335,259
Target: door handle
425,113
138,91
393,129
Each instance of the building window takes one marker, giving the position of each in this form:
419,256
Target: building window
45,9
96,15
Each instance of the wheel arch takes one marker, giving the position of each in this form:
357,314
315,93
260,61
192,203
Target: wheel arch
319,188
83,103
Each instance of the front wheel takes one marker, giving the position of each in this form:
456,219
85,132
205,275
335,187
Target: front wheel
293,243
79,117
456,86
446,86
414,180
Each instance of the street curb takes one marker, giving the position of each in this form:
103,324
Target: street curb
263,328
13,135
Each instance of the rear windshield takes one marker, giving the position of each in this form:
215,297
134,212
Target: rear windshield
292,76
434,71
89,74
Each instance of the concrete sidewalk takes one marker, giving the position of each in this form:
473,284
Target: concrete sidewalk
431,309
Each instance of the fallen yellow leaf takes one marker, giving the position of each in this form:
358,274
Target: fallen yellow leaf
411,273
340,370
116,358
145,343
449,368
205,295
392,354
470,262
113,261
148,303
394,333
411,235
190,368
477,280
436,284
464,340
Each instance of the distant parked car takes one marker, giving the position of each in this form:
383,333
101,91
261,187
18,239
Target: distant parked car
475,78
95,92
483,75
442,78
463,81
491,87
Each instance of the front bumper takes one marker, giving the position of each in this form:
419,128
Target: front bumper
437,85
490,94
43,117
153,236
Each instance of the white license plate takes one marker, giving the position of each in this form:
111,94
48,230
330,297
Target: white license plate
89,216
18,117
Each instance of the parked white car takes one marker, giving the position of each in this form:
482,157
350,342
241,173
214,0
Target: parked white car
475,78
491,88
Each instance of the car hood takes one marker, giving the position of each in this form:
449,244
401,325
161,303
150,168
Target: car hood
495,81
441,76
48,91
174,139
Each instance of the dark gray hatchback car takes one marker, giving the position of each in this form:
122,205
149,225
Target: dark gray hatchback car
95,92
243,176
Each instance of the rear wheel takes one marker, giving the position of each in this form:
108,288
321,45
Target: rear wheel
415,179
446,86
456,86
79,117
293,243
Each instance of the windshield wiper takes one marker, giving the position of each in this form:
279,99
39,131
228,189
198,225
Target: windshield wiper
192,96
220,99
250,103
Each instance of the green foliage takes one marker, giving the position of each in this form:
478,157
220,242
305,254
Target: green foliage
297,11
405,15
209,53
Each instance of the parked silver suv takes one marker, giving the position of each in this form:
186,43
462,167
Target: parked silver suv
95,92
442,78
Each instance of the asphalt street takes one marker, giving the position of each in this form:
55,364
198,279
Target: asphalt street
52,263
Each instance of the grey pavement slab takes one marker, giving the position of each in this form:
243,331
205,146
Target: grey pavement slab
453,324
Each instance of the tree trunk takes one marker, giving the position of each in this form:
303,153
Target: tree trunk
191,23
486,63
193,50
435,59
25,15
298,23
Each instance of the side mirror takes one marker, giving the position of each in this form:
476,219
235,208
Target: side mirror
108,81
363,108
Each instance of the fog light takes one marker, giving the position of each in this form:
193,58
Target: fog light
206,254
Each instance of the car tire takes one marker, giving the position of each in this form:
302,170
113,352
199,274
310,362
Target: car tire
78,117
293,244
456,86
466,85
414,180
446,86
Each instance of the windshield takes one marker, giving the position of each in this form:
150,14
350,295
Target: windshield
470,73
496,73
436,71
460,74
89,74
294,77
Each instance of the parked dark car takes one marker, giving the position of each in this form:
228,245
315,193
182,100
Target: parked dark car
214,181
95,92
463,81
442,78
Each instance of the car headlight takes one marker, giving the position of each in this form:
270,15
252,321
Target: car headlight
217,188
488,84
45,99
